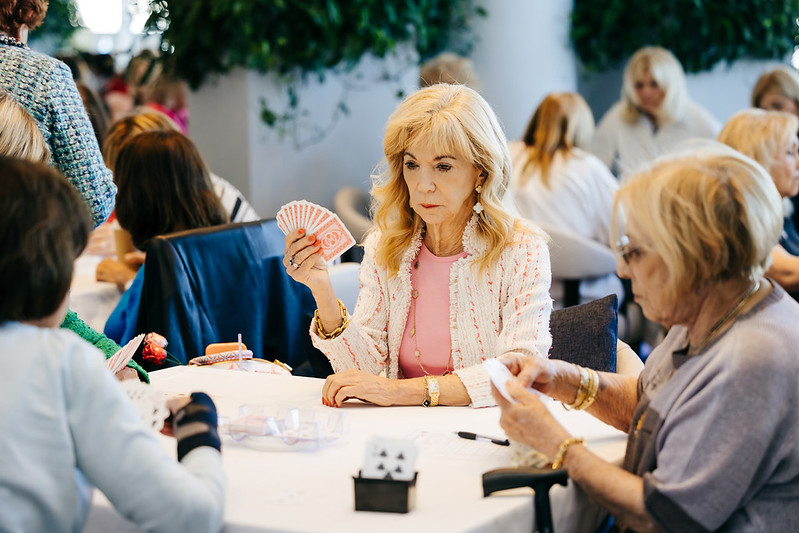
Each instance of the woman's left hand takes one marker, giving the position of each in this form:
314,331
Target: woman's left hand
357,384
529,421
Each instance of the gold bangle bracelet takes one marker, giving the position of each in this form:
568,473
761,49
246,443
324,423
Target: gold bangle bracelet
345,321
563,448
582,390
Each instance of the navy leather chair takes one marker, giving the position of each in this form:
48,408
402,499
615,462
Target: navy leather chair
208,285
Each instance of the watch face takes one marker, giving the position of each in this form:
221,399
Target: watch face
432,385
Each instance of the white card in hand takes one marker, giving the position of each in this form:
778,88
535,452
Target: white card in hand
499,375
118,361
388,458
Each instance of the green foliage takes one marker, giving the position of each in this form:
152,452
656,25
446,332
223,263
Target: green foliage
59,24
295,39
699,32
288,37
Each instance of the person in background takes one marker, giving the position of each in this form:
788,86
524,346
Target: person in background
164,187
121,93
45,88
166,93
653,116
96,111
144,119
712,419
770,138
448,67
556,183
66,426
448,277
20,138
778,90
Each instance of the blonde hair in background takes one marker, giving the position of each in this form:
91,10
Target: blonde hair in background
455,120
783,80
760,134
447,67
670,77
140,120
712,214
20,136
561,122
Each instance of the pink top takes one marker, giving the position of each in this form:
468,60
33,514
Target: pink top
430,281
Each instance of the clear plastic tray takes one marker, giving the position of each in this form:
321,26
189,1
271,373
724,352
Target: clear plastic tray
284,429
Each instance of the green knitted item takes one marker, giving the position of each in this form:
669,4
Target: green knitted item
100,341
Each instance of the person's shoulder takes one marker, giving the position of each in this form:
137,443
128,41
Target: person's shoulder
700,117
57,344
526,235
613,114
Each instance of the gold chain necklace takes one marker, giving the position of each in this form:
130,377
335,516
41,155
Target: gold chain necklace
416,352
723,320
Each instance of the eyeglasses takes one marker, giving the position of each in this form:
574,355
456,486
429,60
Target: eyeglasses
626,250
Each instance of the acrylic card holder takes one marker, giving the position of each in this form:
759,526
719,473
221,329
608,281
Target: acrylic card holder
284,429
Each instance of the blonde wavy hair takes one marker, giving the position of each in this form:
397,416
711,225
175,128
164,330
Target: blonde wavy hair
140,120
713,214
561,122
455,120
760,134
667,71
20,136
783,80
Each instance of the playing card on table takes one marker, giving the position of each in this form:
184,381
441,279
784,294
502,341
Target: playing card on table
118,361
388,458
316,220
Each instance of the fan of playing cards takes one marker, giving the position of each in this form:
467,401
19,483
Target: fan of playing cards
316,220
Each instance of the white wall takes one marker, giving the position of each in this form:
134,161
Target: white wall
523,53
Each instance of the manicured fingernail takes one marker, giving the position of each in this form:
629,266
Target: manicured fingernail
311,238
301,231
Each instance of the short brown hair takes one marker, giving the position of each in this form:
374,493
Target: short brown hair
139,120
782,80
44,225
16,13
164,186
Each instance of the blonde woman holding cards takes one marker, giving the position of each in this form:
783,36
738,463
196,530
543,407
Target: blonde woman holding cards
449,278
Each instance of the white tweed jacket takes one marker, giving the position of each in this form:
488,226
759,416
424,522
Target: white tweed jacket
504,309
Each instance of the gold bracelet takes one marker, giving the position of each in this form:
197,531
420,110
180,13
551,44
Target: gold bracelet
563,448
592,391
345,321
582,389
587,391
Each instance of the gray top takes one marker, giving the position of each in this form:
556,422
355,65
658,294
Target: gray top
715,436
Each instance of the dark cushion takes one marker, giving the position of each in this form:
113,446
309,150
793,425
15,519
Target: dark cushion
586,334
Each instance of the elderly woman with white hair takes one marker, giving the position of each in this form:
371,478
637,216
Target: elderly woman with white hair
770,138
712,420
653,116
449,278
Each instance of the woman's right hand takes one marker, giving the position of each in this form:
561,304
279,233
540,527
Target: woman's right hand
304,262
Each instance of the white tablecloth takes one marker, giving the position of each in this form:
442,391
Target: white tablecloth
92,300
313,491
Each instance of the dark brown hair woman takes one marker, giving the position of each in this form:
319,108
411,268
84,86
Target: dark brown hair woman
164,186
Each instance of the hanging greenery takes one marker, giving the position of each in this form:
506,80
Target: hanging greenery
295,39
59,24
701,33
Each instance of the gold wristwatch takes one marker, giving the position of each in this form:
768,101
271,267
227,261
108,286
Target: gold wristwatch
433,391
